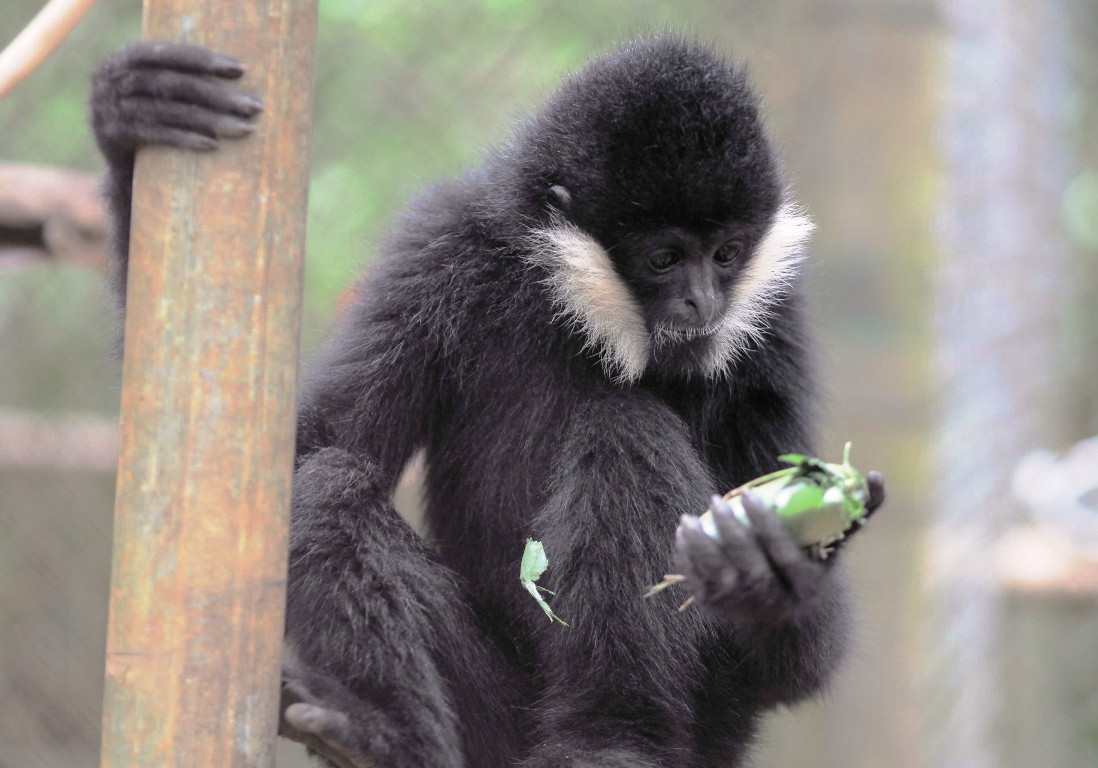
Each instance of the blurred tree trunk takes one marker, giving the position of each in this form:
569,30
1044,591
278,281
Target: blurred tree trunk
1079,419
998,297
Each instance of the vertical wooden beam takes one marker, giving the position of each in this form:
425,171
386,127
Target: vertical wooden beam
206,441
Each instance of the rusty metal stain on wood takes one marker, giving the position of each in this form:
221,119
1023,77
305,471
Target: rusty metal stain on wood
206,439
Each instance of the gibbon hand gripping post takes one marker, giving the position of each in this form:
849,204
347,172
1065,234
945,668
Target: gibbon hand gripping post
207,428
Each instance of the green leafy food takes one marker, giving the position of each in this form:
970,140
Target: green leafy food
534,564
818,502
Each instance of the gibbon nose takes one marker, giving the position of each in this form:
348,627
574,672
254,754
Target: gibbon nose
701,309
700,297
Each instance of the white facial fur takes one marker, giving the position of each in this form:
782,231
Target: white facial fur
765,281
593,298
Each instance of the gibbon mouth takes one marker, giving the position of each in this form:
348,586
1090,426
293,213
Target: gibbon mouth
665,332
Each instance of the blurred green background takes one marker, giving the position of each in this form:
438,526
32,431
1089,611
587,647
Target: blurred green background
879,106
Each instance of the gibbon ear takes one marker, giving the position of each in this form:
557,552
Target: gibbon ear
560,198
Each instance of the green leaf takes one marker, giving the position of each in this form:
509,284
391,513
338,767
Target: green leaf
534,563
797,498
793,458
532,588
817,501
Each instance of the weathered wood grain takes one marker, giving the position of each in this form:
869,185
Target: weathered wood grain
206,438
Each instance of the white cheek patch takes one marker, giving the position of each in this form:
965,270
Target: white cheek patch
592,297
762,285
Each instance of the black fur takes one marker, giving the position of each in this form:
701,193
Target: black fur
420,655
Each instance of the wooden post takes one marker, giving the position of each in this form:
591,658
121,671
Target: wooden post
206,439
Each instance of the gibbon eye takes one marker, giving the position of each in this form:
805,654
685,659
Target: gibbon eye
728,252
663,259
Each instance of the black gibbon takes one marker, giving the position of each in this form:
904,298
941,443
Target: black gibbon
588,335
